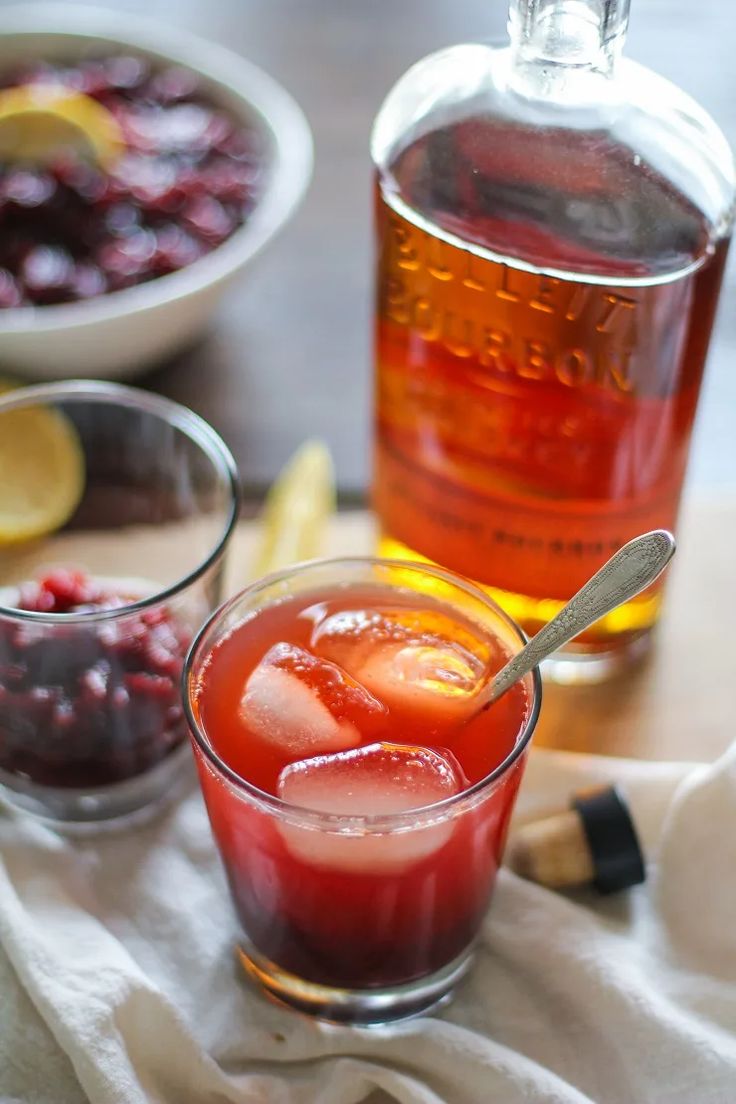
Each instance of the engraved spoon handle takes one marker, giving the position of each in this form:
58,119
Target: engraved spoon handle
629,571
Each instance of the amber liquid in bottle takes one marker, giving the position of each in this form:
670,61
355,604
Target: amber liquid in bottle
544,308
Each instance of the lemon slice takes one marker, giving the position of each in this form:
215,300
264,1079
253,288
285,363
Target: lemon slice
41,473
37,122
297,509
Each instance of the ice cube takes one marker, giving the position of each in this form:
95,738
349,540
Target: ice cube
412,660
304,705
375,780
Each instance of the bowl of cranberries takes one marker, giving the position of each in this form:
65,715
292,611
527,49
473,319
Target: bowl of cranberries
163,166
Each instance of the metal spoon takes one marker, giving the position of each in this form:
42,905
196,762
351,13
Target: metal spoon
629,571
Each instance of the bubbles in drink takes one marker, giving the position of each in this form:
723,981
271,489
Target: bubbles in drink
375,780
305,705
411,660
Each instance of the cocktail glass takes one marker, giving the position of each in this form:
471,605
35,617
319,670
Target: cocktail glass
370,918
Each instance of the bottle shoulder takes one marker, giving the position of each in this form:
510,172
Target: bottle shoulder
606,159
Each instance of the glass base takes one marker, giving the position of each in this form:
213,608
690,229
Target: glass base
577,665
358,1007
109,808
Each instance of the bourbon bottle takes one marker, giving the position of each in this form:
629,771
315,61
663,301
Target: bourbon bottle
552,227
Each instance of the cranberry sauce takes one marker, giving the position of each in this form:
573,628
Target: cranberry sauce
190,176
88,704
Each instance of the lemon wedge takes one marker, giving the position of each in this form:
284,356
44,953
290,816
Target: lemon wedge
297,510
37,122
41,472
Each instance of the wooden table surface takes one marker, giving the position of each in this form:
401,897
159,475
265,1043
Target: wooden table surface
290,355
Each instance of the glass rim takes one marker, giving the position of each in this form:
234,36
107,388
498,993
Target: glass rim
371,823
196,428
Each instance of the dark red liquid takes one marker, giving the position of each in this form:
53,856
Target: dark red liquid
334,925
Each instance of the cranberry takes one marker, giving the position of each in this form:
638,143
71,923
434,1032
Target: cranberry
174,249
89,78
125,260
228,181
125,73
192,182
189,130
173,85
239,145
145,179
122,219
88,704
93,683
47,274
88,281
28,188
87,183
209,219
68,589
10,293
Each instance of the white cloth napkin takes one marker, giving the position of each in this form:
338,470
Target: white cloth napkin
118,983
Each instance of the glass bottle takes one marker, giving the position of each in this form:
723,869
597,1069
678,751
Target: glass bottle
552,227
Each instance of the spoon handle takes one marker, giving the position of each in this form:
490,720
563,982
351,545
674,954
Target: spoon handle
630,570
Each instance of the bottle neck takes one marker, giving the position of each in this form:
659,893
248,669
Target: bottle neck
553,41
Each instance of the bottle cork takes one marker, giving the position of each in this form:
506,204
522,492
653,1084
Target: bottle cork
594,842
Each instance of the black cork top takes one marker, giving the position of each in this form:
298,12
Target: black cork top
612,838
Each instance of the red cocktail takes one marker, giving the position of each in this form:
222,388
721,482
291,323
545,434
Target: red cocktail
359,799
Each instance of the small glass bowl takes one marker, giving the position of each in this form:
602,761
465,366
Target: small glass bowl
91,722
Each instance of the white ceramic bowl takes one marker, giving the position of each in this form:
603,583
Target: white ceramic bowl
122,334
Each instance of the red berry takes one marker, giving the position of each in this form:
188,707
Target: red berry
69,589
28,188
47,274
209,219
10,293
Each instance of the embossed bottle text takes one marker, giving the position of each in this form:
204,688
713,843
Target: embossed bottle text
535,395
